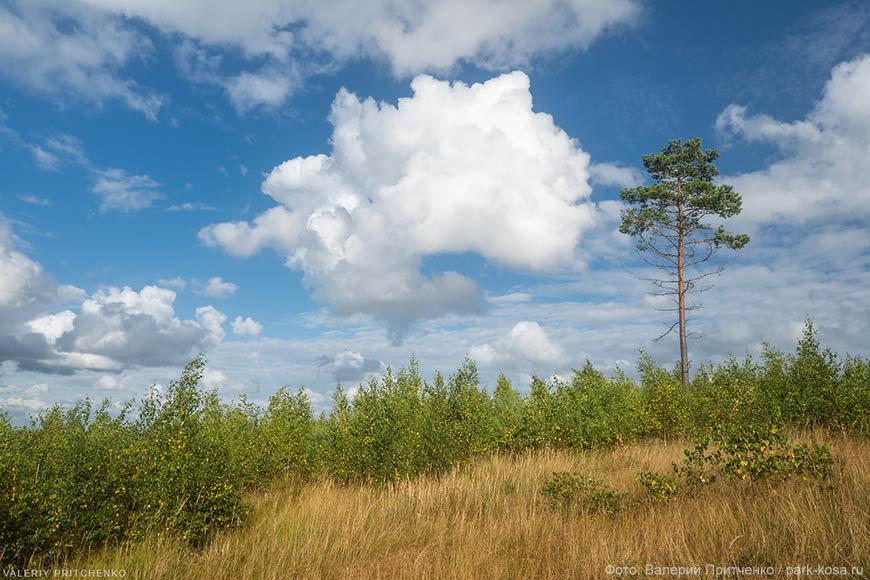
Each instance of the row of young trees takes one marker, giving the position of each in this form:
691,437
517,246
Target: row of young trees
82,477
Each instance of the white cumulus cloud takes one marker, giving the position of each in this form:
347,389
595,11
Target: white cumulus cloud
212,320
349,365
178,282
25,288
454,168
247,326
822,172
527,342
120,327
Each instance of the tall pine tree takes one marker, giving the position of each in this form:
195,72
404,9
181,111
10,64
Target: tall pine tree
670,221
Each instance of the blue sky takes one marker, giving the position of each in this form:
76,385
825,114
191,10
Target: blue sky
308,193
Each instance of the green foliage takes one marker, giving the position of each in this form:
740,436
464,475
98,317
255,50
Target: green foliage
539,426
569,491
398,426
811,387
726,396
183,484
682,200
853,408
661,488
507,410
698,468
288,429
814,462
179,462
81,478
592,410
664,399
755,454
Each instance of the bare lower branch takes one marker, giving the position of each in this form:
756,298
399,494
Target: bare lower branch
668,331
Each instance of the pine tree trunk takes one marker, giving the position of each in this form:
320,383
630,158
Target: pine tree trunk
681,296
684,348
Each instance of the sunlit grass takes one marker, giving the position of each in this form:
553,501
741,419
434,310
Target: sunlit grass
488,520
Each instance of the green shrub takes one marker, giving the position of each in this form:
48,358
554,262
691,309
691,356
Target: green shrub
569,490
661,488
592,410
726,396
753,453
853,402
814,462
183,485
699,467
78,478
538,427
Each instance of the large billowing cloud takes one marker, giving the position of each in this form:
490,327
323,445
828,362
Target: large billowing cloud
453,169
114,327
822,174
119,327
81,47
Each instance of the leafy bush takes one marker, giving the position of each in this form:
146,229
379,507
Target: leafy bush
660,487
184,484
726,396
592,410
814,462
80,478
699,466
756,454
568,490
507,411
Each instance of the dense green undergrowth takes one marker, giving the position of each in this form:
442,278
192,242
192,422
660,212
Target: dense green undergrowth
179,463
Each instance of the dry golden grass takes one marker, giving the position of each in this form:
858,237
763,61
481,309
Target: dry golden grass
488,520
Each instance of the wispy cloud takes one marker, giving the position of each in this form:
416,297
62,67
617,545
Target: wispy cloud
35,200
191,206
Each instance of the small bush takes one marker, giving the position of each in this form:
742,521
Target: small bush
660,487
567,490
756,454
698,468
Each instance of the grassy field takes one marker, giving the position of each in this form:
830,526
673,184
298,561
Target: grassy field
488,520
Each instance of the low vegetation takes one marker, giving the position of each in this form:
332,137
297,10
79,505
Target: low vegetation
488,519
583,457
